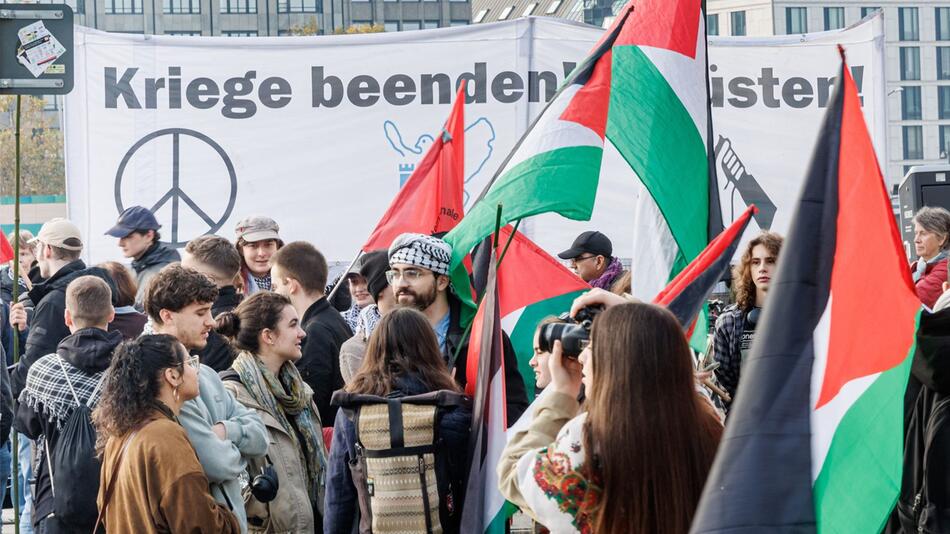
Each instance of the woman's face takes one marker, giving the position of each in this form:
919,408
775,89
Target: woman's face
257,255
587,368
358,290
539,362
926,243
189,387
288,336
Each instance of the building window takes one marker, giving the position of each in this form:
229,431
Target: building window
737,20
391,25
942,15
796,20
712,24
910,63
239,6
411,25
123,7
297,6
183,32
430,24
50,103
913,142
457,22
907,24
80,7
553,7
943,102
865,11
529,9
240,33
181,6
943,62
505,12
480,16
910,104
834,18
944,139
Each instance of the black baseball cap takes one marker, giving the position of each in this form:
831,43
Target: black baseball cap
132,219
373,268
592,242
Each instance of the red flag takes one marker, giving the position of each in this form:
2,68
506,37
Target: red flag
6,251
431,201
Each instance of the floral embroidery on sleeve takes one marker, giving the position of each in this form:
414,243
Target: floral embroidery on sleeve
568,487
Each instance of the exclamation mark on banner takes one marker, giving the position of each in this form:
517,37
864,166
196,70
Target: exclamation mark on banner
857,72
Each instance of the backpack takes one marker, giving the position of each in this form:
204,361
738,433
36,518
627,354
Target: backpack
73,465
401,469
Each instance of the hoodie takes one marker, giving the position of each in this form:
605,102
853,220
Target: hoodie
46,401
48,325
148,265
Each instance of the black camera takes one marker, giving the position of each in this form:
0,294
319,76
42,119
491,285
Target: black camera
265,485
572,333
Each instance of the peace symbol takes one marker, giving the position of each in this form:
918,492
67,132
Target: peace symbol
176,195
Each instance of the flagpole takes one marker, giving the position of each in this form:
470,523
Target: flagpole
337,285
16,295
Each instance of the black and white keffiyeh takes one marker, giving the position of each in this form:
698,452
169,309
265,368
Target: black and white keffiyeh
423,251
53,393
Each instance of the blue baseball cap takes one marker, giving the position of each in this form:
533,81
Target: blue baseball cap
132,219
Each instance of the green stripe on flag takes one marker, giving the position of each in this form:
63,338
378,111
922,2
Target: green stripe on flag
655,133
861,477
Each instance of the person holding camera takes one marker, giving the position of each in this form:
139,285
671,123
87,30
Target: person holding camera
591,471
542,351
286,493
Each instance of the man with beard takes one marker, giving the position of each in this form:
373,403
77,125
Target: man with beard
299,272
224,433
418,275
137,232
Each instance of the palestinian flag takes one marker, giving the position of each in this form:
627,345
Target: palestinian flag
642,90
531,285
431,200
814,440
686,295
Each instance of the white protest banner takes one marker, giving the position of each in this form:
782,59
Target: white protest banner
319,132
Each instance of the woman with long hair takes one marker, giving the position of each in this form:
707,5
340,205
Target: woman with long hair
640,473
402,359
256,239
266,330
151,480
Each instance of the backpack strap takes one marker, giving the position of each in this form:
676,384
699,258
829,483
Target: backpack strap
396,433
115,474
92,395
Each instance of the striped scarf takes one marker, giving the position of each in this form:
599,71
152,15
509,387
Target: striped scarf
271,393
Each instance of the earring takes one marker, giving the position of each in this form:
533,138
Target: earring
175,393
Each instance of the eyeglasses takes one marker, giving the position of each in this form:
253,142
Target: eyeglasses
194,361
410,275
577,260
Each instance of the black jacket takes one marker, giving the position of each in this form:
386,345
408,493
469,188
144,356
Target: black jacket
159,254
218,354
90,351
48,325
924,502
320,364
6,284
515,393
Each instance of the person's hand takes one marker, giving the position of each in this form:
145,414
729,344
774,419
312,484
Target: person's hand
18,316
596,297
566,376
25,275
220,431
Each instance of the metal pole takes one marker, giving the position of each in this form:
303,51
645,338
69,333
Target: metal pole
16,296
343,276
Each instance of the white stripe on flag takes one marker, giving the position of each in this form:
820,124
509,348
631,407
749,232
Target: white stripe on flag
654,247
497,440
510,321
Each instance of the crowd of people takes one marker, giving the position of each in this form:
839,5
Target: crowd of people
220,390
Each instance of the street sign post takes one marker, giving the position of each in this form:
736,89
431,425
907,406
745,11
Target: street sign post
36,49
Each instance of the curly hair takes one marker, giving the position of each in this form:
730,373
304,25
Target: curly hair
176,287
132,384
244,324
742,273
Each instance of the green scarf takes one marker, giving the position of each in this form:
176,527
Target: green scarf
272,394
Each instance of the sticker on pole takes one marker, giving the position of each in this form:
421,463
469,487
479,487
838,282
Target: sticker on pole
38,48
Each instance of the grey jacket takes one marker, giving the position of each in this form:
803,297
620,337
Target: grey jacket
224,461
155,258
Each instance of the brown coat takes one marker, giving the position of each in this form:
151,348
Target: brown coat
160,486
290,511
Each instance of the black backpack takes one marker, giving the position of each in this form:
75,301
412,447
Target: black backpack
401,470
73,465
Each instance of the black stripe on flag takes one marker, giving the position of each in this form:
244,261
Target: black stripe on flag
761,478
